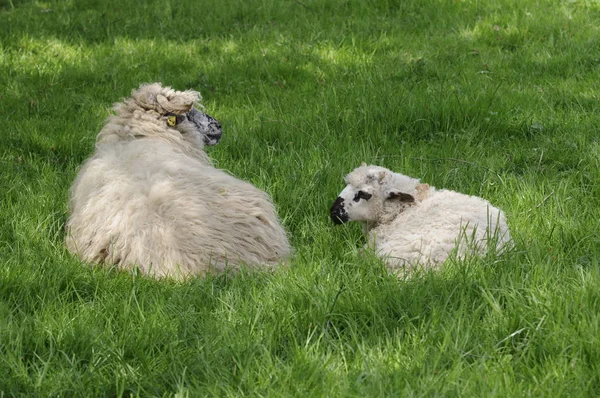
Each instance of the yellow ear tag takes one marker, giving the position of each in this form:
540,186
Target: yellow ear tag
172,121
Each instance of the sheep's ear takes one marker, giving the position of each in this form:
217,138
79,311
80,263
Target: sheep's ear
380,177
174,119
363,164
395,194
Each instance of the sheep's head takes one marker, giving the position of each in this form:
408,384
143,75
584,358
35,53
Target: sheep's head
371,193
173,110
195,125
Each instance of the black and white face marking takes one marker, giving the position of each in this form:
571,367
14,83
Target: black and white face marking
371,192
197,127
362,195
352,204
338,213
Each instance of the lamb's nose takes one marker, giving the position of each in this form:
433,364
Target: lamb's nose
337,212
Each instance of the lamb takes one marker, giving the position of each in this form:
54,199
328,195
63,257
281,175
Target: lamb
410,224
149,197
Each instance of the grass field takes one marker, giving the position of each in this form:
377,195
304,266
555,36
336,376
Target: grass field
496,98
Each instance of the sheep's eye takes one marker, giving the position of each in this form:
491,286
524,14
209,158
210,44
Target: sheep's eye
362,195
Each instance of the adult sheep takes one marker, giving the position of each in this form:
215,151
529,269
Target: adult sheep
150,198
409,223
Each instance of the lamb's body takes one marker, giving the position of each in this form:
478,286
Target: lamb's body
427,232
410,223
165,209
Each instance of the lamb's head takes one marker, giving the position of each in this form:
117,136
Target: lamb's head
372,194
170,111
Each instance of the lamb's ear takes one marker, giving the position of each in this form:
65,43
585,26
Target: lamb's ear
395,194
363,164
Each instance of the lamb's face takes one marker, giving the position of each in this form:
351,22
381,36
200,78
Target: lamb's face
354,203
366,195
196,126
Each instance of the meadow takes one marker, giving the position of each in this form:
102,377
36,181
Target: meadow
497,98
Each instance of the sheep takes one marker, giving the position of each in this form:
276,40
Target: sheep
410,224
149,196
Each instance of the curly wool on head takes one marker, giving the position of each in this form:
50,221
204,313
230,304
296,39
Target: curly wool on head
145,114
409,223
150,198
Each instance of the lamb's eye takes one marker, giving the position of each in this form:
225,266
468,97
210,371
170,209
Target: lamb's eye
362,195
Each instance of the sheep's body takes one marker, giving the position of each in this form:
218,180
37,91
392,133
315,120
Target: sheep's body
409,223
160,205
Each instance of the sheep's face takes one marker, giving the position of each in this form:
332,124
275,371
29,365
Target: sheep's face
196,126
366,195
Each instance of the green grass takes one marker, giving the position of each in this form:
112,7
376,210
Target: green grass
496,98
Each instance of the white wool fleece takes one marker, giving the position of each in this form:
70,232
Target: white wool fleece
157,203
410,223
